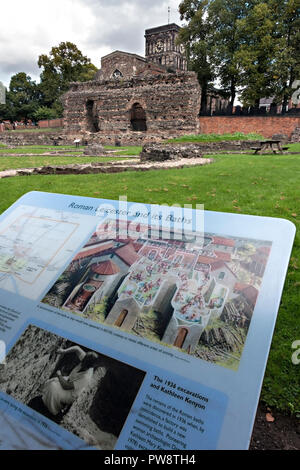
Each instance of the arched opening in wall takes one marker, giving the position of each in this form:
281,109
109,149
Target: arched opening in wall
117,74
138,118
119,322
91,116
181,336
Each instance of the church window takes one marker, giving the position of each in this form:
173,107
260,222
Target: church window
117,74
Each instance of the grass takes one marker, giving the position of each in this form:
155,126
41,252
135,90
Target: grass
33,156
294,147
130,150
8,163
38,149
265,185
216,137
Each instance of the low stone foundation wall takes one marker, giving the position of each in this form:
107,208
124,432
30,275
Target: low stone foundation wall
94,150
161,152
106,167
122,139
295,137
16,139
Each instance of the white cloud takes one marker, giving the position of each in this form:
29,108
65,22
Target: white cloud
32,27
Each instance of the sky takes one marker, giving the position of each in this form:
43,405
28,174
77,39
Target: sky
29,28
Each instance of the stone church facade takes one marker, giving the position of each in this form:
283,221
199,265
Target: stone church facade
135,99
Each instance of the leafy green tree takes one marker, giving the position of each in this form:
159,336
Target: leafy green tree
43,112
252,47
224,18
270,53
257,53
64,64
287,58
196,36
22,99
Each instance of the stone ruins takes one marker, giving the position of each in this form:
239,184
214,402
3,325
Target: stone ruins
134,100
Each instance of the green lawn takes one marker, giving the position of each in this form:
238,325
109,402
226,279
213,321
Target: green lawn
9,163
217,137
38,149
130,150
265,185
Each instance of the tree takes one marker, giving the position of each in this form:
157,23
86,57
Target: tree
196,36
224,17
22,99
252,46
257,53
270,51
43,112
64,64
287,60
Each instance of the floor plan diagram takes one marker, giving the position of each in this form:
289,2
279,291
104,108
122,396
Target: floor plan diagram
33,245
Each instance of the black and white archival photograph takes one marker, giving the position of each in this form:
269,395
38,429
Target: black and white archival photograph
87,393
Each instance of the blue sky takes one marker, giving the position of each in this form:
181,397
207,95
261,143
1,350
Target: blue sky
32,27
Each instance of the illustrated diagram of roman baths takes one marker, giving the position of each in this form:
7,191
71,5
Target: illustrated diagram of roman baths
188,284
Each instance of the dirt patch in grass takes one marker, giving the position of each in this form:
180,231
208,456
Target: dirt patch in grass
281,434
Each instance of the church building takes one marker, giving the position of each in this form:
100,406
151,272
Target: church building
135,99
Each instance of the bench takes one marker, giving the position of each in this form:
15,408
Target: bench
257,149
273,145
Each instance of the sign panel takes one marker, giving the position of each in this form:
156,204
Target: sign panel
134,327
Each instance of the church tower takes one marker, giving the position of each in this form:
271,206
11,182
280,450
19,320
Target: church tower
161,47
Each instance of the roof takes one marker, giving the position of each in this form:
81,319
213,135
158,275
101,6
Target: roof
223,256
240,286
218,265
165,27
93,251
139,57
127,254
250,294
215,263
106,268
223,241
264,250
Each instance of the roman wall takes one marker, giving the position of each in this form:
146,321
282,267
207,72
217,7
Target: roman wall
135,109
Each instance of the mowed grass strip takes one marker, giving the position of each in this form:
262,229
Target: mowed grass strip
264,185
8,163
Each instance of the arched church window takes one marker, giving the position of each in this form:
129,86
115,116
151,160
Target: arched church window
117,74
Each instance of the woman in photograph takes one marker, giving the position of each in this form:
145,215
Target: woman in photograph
59,392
